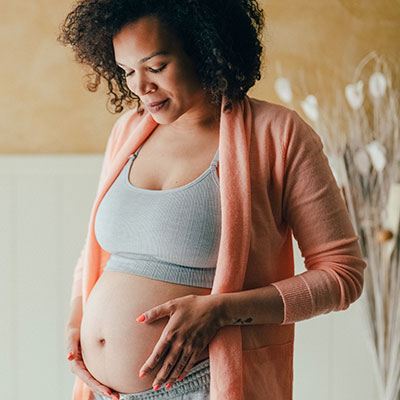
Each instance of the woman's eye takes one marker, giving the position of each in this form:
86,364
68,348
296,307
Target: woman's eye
153,70
156,71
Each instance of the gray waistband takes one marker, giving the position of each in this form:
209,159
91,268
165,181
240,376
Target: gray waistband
197,379
151,267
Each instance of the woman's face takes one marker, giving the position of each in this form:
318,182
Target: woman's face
158,70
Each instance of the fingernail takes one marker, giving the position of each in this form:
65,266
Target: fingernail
156,387
141,318
180,378
167,385
69,355
142,374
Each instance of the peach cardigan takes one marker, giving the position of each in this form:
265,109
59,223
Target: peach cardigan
275,181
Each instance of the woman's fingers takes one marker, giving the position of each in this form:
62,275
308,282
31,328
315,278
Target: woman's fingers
184,364
193,322
155,313
79,369
72,343
187,369
167,368
156,356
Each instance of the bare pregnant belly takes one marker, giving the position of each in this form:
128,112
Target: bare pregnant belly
114,345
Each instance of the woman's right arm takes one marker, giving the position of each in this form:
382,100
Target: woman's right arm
75,317
72,331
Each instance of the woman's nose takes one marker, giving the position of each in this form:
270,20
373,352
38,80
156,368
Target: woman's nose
142,86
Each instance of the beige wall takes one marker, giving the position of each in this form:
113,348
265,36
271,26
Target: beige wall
45,107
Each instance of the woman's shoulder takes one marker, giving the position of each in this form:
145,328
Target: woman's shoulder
133,115
126,123
282,126
123,126
276,121
264,111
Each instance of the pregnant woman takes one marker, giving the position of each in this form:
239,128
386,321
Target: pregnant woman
185,287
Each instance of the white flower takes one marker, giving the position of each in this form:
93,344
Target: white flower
377,152
362,162
310,107
283,89
377,84
354,94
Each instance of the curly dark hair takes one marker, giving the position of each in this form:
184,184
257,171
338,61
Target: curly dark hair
222,37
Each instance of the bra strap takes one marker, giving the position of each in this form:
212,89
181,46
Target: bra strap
134,155
215,160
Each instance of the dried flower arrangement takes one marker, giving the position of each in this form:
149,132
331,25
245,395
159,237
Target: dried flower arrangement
361,138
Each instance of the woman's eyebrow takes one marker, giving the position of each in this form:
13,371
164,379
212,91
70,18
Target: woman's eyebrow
143,60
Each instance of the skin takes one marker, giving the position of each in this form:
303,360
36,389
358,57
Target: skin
169,76
193,320
157,68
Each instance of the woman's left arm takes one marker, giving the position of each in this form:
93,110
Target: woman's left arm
194,320
314,208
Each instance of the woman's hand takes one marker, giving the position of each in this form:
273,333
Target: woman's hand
78,367
193,322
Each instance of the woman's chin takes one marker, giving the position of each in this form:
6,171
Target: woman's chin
163,119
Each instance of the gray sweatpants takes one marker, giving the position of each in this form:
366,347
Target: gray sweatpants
194,386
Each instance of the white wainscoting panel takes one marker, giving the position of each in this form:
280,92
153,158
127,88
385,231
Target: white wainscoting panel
45,203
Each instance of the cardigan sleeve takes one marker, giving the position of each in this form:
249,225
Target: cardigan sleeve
314,208
108,156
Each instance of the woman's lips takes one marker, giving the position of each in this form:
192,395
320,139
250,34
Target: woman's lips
156,106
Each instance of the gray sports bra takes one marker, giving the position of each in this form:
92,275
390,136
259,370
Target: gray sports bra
170,235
